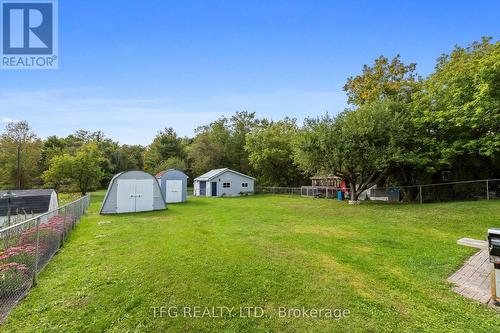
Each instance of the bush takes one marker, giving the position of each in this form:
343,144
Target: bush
13,277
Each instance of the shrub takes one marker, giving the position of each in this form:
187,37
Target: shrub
23,254
13,277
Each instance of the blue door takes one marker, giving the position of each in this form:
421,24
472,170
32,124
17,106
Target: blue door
203,188
214,189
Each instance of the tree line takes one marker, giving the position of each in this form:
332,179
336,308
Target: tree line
399,129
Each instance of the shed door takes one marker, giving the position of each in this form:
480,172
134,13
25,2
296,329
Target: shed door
173,191
203,188
134,195
125,196
214,189
144,195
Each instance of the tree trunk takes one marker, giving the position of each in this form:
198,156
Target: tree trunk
353,200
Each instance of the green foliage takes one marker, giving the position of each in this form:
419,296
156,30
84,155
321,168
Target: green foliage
127,157
385,80
271,153
458,109
222,144
171,163
81,171
207,150
240,125
359,146
113,157
165,145
19,135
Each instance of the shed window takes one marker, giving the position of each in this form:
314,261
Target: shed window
244,184
226,185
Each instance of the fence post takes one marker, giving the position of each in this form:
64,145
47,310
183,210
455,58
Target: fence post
63,231
37,251
73,219
420,194
487,190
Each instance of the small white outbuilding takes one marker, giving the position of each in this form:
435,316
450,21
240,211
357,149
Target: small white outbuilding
223,182
173,184
133,191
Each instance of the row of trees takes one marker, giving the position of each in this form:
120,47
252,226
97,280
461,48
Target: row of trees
400,129
403,129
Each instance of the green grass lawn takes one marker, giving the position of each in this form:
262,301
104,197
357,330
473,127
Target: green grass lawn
386,264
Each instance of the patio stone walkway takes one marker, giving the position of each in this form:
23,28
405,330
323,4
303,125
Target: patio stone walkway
473,279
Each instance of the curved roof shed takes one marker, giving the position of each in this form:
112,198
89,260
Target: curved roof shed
36,201
173,184
133,191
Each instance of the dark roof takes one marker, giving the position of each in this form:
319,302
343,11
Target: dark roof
32,201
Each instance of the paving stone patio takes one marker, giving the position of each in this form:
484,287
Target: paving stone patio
473,279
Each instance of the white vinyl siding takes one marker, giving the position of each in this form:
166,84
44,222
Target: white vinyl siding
229,184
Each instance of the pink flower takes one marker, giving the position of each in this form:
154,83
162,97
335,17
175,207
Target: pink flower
13,265
18,250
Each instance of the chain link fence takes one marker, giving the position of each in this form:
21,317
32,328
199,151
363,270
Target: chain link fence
487,189
26,247
277,190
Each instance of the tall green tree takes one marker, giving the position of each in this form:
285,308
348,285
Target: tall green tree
81,171
114,157
172,163
128,157
359,146
458,109
51,147
222,144
20,150
240,125
208,148
270,152
385,80
165,145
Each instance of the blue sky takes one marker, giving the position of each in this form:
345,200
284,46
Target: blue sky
131,68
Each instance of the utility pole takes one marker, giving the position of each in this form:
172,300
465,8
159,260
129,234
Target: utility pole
18,166
9,196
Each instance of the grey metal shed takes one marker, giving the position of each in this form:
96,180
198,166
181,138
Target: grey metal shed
173,184
133,191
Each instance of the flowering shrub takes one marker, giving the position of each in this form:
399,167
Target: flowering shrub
17,262
13,265
24,254
13,277
16,251
54,228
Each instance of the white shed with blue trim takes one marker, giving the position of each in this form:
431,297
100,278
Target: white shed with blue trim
223,182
